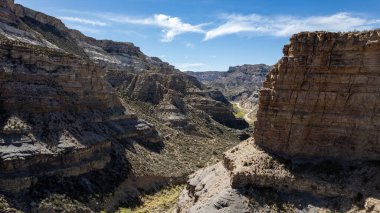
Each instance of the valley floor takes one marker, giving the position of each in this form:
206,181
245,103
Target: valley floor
246,114
162,201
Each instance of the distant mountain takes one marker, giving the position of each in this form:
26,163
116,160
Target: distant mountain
239,84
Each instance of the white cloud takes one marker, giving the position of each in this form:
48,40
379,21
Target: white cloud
288,25
172,26
83,21
189,66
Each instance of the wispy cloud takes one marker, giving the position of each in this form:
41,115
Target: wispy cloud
189,66
252,24
171,26
288,25
83,21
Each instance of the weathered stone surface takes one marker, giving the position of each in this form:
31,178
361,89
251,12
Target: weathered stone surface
315,146
209,190
240,84
321,99
58,116
246,168
150,80
65,130
169,87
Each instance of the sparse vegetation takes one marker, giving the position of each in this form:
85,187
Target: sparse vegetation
177,157
162,201
61,203
239,113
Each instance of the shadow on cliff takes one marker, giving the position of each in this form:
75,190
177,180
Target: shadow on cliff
86,188
357,180
273,200
89,188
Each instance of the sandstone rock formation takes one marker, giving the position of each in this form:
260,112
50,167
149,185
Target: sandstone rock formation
315,145
240,84
251,180
58,116
148,79
70,108
321,99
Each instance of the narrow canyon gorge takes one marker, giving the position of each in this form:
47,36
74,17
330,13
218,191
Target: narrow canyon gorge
90,125
315,147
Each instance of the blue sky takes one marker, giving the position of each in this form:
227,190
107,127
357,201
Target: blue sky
209,34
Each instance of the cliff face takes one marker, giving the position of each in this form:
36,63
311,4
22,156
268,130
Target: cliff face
240,84
321,99
150,80
66,122
315,146
58,115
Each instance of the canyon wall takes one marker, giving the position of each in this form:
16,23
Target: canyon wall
240,84
67,105
316,140
322,98
59,117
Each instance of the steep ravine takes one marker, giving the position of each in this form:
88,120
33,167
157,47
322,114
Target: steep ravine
240,84
71,130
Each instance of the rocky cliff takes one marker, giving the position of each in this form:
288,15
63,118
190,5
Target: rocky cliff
240,84
321,99
150,80
314,147
58,116
69,126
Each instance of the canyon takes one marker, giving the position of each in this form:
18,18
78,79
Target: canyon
315,146
240,85
95,123
91,125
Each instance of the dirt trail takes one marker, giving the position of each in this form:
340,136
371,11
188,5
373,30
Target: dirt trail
247,112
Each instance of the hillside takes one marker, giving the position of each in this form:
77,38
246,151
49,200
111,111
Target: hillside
71,124
315,144
240,84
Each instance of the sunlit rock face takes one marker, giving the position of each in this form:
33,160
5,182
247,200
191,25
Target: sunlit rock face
316,142
322,98
59,117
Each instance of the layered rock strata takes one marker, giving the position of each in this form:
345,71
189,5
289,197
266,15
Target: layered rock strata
315,146
173,92
58,116
150,80
64,129
251,180
321,99
240,84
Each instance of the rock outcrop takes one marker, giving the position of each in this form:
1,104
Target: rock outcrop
321,99
58,116
315,146
69,126
251,180
150,80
